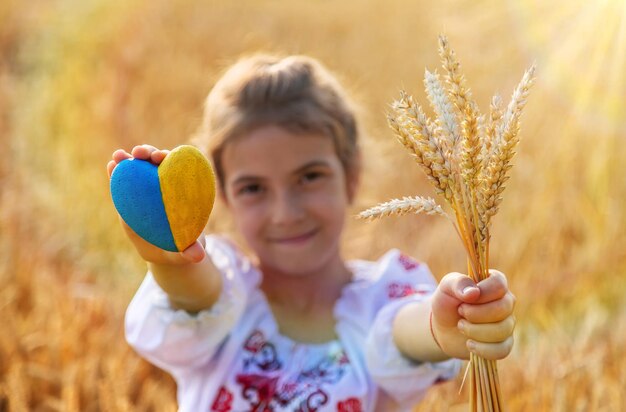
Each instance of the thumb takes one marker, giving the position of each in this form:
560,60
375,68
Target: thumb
194,253
453,290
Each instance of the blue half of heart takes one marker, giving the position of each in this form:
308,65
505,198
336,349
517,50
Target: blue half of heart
137,196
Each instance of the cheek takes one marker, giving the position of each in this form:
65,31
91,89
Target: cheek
248,220
331,208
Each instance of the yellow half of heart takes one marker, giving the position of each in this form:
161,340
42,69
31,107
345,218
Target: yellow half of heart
188,189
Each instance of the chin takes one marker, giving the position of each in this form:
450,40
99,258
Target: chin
299,260
297,264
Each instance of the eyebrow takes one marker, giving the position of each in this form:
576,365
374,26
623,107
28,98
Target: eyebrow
312,163
308,165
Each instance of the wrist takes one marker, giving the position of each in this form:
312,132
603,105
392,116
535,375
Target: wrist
432,331
450,340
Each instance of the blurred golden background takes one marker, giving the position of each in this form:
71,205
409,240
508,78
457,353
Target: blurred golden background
79,79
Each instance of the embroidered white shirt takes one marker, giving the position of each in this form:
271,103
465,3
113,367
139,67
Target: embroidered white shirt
232,357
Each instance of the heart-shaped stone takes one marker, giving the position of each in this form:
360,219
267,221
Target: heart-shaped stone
168,205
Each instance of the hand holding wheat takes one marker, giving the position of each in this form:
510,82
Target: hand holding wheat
470,317
467,158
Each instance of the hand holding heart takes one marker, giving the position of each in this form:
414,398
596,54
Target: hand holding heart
164,200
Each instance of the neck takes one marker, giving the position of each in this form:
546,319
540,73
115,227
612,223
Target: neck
306,292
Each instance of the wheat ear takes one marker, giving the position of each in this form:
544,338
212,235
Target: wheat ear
404,206
455,80
416,133
446,119
502,152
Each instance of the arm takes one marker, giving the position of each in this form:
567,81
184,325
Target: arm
412,333
466,317
189,278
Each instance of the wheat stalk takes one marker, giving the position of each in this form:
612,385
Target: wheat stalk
467,158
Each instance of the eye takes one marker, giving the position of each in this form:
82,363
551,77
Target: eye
249,189
311,176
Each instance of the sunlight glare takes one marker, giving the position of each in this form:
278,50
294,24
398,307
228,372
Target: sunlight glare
580,48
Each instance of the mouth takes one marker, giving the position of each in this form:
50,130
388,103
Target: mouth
295,239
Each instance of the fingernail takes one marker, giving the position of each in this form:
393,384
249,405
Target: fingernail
461,325
467,290
471,345
461,311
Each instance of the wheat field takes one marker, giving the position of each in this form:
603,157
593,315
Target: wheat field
79,79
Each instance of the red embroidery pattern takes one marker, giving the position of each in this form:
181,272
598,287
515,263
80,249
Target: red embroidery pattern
313,402
349,405
261,387
254,342
399,290
343,359
259,390
223,402
407,262
263,353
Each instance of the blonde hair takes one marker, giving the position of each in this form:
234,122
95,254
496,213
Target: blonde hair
296,93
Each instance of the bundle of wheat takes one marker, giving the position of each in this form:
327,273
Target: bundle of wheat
467,158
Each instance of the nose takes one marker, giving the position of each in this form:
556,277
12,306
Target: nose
287,208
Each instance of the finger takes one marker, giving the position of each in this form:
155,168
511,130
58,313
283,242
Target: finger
491,351
143,152
158,156
120,155
129,231
459,286
110,166
447,298
488,332
194,253
493,288
490,312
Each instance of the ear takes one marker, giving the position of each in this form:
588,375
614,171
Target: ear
353,177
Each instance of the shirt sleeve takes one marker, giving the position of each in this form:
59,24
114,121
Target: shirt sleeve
176,340
402,281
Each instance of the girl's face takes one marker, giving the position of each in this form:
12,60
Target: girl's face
288,194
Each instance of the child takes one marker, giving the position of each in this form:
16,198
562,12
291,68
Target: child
294,327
